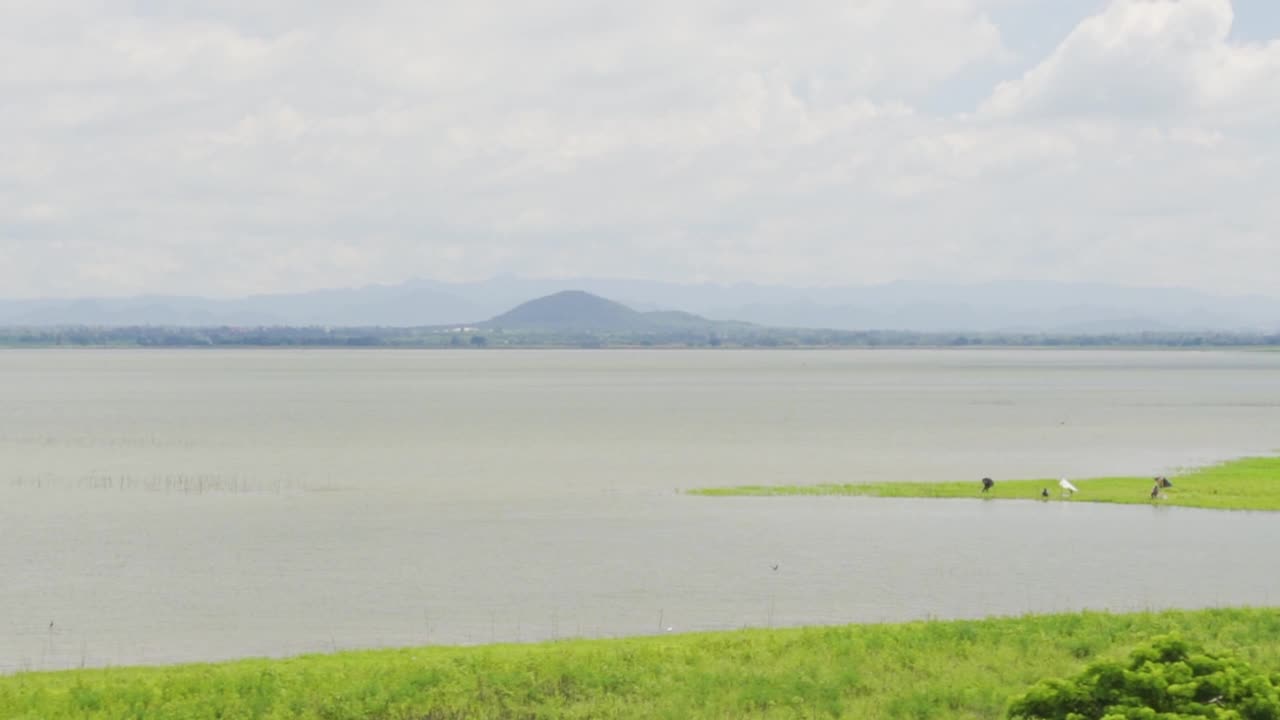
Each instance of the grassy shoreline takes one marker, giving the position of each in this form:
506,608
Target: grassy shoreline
951,669
1244,484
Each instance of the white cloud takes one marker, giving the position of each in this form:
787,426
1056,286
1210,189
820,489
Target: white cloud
1148,59
239,147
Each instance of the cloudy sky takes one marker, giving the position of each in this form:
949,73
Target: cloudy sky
225,147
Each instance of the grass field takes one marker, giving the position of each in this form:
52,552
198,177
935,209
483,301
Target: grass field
952,669
1246,484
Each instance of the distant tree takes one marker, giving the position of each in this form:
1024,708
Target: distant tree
479,341
1168,679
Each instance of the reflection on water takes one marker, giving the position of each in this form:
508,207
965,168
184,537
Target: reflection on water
161,506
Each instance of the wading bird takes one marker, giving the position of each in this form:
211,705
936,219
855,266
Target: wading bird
987,483
1067,487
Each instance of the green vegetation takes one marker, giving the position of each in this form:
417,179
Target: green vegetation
954,669
1169,679
1246,484
665,335
660,330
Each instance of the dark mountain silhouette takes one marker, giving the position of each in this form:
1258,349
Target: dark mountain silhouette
1004,306
575,311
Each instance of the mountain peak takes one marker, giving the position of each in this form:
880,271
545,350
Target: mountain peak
576,311
568,311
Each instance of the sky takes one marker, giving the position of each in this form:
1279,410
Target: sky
231,147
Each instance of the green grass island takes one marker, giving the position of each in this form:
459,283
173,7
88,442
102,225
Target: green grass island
1244,484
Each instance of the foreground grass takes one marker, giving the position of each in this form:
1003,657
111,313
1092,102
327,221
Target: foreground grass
1247,484
954,669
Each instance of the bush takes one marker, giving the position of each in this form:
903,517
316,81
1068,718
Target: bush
1169,679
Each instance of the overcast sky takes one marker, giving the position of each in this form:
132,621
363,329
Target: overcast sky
226,147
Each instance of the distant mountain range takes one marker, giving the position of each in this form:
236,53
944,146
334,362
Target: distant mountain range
913,306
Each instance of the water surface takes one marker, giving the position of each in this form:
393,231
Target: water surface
168,506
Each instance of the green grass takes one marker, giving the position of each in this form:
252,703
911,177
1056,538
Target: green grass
1246,484
953,669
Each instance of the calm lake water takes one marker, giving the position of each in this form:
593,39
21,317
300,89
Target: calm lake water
170,506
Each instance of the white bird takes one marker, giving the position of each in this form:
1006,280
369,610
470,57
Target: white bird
1067,487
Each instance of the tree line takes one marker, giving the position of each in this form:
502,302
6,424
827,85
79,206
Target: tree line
429,337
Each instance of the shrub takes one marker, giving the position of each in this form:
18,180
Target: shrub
1169,679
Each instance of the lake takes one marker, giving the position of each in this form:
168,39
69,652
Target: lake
166,506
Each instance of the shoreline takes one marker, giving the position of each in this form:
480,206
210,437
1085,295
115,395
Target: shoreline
665,347
929,668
